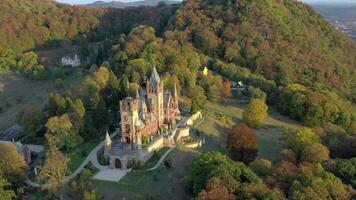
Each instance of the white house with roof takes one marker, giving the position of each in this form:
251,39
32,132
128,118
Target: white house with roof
75,62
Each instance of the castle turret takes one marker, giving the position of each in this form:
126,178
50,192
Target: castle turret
107,145
155,92
137,94
175,93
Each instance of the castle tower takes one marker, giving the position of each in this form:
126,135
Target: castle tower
176,103
155,92
129,118
107,145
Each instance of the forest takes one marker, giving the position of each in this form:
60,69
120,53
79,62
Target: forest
293,60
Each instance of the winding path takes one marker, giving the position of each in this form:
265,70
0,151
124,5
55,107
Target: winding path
91,157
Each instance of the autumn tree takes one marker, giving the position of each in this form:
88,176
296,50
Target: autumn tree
12,164
215,190
315,153
242,142
6,194
255,113
54,169
61,133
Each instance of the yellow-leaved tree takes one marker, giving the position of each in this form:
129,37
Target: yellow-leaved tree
255,113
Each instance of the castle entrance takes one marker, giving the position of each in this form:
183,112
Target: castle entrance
117,163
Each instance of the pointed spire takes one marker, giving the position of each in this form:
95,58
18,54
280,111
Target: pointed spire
155,79
137,94
107,138
175,94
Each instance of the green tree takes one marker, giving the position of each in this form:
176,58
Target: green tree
91,195
261,167
314,115
257,93
255,113
215,164
32,119
298,140
198,99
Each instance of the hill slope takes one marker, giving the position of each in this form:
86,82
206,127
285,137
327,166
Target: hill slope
119,4
285,41
27,23
306,67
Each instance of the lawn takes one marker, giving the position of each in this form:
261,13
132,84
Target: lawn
17,92
154,159
269,143
79,154
214,134
269,135
161,183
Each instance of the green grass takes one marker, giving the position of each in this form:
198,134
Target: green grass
270,143
162,183
269,135
215,135
18,92
133,178
153,160
79,154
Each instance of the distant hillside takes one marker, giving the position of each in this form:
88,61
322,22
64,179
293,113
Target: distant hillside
343,16
27,24
119,4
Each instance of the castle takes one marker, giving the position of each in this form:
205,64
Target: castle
145,121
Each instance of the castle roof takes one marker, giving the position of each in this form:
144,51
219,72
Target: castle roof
166,98
107,138
139,123
137,94
175,94
155,79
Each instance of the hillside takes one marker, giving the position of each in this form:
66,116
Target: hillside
285,41
25,24
306,67
119,4
28,24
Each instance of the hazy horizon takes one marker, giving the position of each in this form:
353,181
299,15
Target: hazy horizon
91,1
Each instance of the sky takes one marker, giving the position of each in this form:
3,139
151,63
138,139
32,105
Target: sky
91,1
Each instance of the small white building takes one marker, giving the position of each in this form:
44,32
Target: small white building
72,62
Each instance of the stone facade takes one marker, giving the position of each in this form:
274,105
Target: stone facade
144,121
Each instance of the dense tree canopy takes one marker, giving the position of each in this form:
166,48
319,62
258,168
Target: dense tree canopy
12,164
